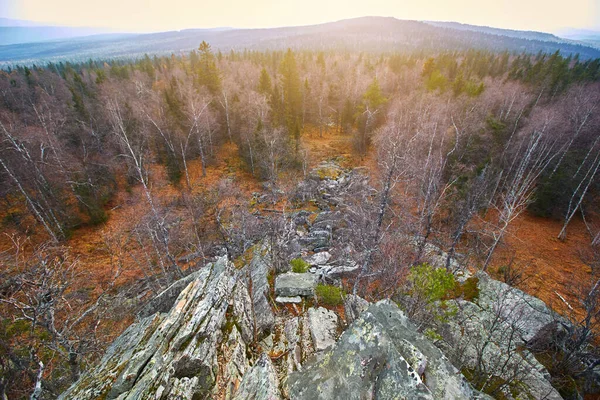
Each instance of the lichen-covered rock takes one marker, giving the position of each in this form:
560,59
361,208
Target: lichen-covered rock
164,301
529,314
177,354
490,335
259,270
293,284
323,324
260,382
376,357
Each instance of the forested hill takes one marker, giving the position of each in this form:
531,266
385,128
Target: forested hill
531,35
360,34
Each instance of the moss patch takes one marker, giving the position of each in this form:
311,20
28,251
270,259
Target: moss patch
299,265
329,295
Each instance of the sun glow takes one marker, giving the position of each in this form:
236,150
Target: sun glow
160,15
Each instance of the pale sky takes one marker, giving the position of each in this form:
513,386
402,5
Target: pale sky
161,15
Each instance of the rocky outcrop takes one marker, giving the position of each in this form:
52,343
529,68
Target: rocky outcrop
258,271
224,333
490,333
165,299
178,354
381,355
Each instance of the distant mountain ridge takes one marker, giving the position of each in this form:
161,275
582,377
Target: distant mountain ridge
587,36
530,35
376,34
16,31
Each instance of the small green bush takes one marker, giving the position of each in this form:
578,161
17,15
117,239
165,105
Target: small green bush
329,295
430,283
469,290
299,265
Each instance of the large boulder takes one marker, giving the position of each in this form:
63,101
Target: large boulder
528,313
318,259
488,337
383,356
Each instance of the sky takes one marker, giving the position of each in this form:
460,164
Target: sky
161,15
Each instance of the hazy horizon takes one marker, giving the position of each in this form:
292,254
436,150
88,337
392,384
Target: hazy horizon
137,16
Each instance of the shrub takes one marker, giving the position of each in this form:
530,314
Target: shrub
469,290
430,283
299,265
329,295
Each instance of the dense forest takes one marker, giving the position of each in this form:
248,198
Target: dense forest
458,144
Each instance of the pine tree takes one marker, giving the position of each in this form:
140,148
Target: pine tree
207,73
428,67
264,82
292,94
373,97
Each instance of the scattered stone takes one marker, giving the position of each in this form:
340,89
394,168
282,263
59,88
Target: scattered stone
323,325
293,284
319,258
336,272
316,240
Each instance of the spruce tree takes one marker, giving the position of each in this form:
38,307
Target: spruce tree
207,73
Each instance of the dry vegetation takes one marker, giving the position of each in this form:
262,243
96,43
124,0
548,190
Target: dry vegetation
126,176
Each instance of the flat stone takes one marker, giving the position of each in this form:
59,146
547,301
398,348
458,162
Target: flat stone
293,284
295,299
335,272
323,327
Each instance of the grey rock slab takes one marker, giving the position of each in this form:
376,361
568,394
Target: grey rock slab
375,358
259,270
293,284
529,313
336,272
